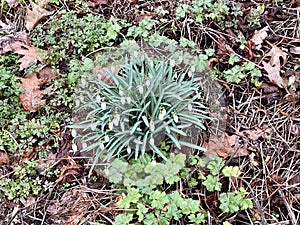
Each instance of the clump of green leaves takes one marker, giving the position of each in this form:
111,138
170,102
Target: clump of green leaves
143,29
210,171
239,72
255,14
148,103
148,204
234,201
24,182
10,88
71,36
224,13
146,175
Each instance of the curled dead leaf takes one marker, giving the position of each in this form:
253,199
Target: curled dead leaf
258,132
223,50
259,36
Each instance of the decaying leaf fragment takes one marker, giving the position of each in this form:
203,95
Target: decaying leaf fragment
32,96
278,57
258,132
38,12
225,146
73,205
4,159
259,36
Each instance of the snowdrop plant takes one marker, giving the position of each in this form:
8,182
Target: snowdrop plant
148,103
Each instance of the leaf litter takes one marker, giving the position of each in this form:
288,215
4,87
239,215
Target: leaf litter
32,96
277,57
38,12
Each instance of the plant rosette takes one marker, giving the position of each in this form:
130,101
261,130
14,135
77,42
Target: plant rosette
130,111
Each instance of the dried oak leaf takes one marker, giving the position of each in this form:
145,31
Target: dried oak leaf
225,146
259,36
32,96
277,55
258,132
30,54
10,43
274,65
38,12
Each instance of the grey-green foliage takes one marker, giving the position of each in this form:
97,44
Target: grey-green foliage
148,103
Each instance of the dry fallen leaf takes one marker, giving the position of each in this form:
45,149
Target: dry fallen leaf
31,98
223,50
278,57
258,132
259,36
225,146
273,73
4,159
102,73
38,12
30,54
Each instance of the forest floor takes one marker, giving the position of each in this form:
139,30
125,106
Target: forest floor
251,54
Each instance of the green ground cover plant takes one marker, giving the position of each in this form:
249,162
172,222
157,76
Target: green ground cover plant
152,183
70,36
147,200
24,183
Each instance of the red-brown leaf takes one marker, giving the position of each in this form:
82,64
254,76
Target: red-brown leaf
32,96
